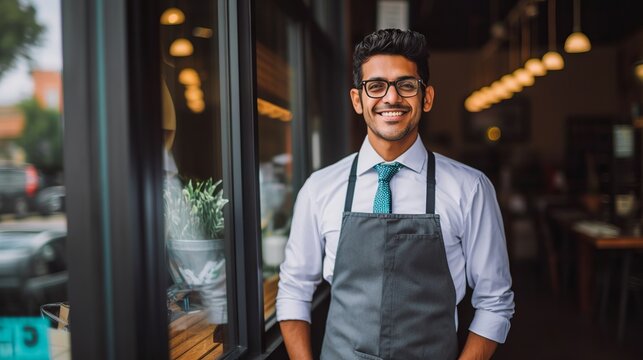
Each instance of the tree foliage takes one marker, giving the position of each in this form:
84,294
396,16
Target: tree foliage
42,138
19,31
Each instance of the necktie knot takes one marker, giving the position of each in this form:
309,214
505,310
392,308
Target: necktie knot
383,196
386,171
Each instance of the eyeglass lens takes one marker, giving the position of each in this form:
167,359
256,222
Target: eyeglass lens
379,88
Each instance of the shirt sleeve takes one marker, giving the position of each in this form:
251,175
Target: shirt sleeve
301,271
487,269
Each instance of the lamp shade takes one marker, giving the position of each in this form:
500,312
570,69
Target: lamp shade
553,61
524,77
189,76
638,71
500,91
172,16
193,93
535,67
511,83
489,95
471,105
577,42
181,47
478,100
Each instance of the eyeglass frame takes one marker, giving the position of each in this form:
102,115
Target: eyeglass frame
394,84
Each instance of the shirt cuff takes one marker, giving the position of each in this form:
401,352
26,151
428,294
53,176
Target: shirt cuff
290,309
490,325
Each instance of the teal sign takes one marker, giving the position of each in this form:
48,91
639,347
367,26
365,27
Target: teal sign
23,338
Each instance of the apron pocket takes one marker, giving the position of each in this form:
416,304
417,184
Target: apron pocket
361,355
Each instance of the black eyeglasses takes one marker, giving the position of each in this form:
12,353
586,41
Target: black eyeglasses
377,89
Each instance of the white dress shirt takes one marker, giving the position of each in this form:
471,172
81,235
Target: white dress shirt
470,219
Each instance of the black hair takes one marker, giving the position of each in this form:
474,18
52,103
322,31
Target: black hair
410,44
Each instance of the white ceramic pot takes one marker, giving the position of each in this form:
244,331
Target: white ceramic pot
200,264
274,247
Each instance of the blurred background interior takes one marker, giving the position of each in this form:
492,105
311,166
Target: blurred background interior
544,96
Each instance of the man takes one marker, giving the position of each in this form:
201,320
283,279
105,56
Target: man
397,230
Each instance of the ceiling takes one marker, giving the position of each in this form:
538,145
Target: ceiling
465,24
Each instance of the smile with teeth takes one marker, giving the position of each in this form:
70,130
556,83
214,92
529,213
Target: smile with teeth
392,113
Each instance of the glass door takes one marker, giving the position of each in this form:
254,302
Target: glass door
278,105
195,197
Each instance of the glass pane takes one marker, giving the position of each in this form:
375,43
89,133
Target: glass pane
318,93
195,203
275,103
33,225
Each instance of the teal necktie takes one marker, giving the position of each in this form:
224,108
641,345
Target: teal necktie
385,172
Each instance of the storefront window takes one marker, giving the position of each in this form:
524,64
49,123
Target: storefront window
276,104
195,201
33,226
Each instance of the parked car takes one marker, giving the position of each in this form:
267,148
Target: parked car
18,187
33,268
50,200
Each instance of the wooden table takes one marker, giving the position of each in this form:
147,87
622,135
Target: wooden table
563,219
588,244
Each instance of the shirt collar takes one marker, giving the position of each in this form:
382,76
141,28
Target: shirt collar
414,158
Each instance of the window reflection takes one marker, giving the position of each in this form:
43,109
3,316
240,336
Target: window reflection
275,103
33,261
194,200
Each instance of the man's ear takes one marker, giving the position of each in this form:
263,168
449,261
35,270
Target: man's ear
357,102
429,94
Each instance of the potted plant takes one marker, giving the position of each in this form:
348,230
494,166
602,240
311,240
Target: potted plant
194,239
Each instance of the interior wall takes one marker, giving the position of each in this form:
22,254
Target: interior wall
450,76
586,86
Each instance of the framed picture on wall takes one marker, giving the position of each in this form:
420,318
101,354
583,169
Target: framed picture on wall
505,122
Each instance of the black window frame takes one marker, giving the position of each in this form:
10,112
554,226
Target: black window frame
113,176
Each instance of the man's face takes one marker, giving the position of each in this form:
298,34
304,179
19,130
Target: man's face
391,118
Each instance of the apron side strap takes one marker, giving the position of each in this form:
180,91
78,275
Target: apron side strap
348,205
430,184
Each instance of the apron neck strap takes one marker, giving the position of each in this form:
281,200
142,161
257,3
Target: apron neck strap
430,185
348,204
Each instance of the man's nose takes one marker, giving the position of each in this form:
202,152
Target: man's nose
391,97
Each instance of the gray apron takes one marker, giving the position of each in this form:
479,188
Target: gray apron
392,295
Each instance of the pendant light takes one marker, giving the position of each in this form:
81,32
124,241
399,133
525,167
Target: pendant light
509,81
524,77
577,42
535,67
189,76
533,64
552,59
181,47
638,70
172,16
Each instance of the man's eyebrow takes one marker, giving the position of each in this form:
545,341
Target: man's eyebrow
404,77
